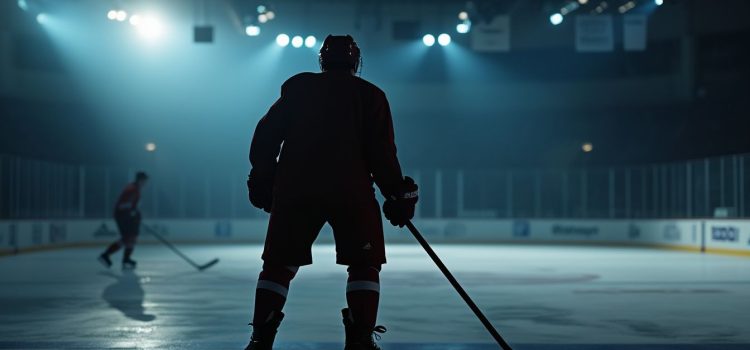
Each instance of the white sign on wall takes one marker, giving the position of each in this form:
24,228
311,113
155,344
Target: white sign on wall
492,36
634,32
594,33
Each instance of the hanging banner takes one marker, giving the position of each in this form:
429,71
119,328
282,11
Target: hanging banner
492,36
634,32
594,33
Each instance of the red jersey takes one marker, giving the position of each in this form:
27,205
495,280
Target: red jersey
128,200
337,136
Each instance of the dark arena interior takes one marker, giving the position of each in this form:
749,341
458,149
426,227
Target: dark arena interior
569,174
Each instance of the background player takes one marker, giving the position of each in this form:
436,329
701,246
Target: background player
337,136
128,219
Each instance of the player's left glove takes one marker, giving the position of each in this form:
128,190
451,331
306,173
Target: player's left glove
399,206
260,190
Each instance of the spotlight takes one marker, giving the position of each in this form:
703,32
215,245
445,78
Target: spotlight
428,40
601,7
261,9
587,147
444,39
23,5
136,20
150,28
310,41
262,18
282,40
121,16
463,28
270,15
556,19
659,2
583,2
150,147
626,7
42,18
252,30
297,41
112,15
463,15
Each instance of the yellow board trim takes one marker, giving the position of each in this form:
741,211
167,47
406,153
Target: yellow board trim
716,251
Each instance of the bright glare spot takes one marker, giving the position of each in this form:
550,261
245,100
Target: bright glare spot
282,40
587,147
121,15
150,28
444,39
463,28
556,19
428,40
150,147
41,18
583,2
270,15
297,41
310,41
112,15
463,15
136,20
263,18
261,9
659,2
252,30
23,5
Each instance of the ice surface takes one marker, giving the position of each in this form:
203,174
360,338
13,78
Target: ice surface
541,295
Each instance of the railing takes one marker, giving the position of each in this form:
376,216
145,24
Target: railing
699,188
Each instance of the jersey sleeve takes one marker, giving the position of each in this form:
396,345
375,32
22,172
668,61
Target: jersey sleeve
381,148
269,135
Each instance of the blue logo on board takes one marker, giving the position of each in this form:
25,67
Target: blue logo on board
521,228
223,229
725,233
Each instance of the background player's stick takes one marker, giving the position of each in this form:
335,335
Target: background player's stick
178,252
458,287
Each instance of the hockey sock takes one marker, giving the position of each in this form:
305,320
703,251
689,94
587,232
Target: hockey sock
126,254
114,247
270,294
363,294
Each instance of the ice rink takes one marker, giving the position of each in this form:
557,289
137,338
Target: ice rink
539,297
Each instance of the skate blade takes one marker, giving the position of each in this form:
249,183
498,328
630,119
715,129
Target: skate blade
104,262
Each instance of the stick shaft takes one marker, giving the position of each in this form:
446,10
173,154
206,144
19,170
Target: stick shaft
499,339
170,246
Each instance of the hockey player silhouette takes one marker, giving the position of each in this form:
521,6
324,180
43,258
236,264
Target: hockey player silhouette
337,136
128,219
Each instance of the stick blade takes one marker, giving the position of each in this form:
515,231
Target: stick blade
208,264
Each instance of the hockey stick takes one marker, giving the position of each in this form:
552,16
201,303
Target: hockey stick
499,339
178,252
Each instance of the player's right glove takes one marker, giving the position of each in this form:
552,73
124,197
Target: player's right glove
399,206
260,191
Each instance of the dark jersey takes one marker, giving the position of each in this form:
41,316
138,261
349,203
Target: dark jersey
333,135
128,200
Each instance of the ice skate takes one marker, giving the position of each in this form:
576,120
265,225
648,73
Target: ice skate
264,335
360,338
129,264
104,260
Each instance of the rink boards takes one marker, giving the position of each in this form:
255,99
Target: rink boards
714,236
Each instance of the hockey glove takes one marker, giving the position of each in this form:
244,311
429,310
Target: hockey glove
260,191
399,207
